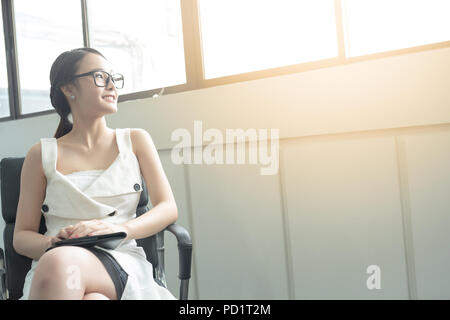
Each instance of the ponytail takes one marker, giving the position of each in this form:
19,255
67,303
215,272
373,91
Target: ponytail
62,107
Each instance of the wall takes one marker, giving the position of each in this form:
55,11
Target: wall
362,180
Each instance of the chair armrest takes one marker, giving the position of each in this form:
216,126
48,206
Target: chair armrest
184,249
2,259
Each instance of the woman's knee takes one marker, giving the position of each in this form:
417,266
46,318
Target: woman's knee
95,296
76,268
59,266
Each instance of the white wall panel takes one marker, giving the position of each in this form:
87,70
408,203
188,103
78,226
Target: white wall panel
344,212
428,166
239,238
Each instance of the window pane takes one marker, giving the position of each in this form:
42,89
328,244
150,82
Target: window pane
382,25
45,29
242,36
4,100
143,40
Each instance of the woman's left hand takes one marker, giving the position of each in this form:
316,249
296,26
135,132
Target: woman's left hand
95,227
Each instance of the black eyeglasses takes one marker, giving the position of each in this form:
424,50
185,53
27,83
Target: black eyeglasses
101,78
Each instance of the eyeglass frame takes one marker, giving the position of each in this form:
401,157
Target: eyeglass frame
107,80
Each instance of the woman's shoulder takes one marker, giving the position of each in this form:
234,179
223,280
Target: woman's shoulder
140,139
35,151
33,159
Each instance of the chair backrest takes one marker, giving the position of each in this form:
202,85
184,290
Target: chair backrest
17,266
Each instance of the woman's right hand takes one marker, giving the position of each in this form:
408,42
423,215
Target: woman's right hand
63,234
51,241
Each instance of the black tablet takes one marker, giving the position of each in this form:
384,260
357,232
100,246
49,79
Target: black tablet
107,241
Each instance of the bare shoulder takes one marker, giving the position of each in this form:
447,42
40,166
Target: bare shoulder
33,159
141,140
151,168
32,168
35,149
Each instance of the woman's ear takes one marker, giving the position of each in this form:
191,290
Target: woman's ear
67,90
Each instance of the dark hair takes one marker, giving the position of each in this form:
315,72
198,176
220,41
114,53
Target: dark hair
61,73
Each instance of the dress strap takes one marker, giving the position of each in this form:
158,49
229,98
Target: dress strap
124,140
48,152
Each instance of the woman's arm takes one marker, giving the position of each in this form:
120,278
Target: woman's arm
27,241
164,211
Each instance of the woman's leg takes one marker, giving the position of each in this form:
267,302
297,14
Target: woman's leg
70,272
95,296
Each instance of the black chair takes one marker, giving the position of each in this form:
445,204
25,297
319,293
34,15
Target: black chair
14,268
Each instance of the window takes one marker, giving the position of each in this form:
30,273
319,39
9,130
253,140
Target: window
243,36
146,40
4,99
44,30
381,25
143,40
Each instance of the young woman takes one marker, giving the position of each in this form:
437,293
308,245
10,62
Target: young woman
86,180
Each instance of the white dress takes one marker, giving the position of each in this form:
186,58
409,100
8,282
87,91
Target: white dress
112,194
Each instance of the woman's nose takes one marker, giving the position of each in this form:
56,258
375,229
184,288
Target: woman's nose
110,83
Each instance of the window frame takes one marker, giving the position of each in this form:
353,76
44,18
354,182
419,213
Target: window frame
193,57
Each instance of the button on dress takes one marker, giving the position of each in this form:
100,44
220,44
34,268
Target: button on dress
113,195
